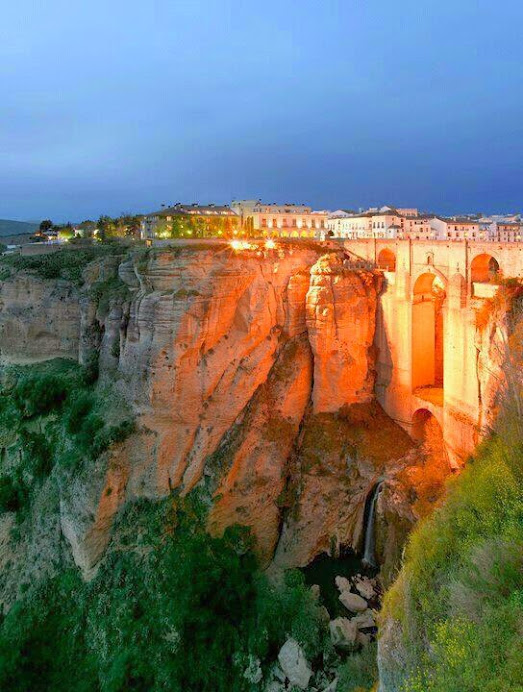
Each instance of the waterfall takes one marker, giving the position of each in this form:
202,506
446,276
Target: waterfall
369,558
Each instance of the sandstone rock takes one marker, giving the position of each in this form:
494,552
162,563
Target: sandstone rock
343,584
343,633
341,321
294,664
364,620
365,587
331,488
353,602
39,319
315,591
248,493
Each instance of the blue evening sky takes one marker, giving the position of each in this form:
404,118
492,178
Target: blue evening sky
112,106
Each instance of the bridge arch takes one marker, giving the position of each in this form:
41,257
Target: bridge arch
429,294
387,260
428,434
484,269
422,421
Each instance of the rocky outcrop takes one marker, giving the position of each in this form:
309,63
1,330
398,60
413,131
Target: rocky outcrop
39,319
341,316
338,459
237,356
251,373
294,664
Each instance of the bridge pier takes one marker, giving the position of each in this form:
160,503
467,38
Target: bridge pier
429,276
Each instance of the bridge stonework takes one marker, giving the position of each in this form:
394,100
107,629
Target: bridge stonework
426,335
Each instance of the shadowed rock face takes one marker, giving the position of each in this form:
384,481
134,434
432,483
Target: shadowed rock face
38,320
251,373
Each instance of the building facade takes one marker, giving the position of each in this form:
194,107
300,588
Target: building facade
383,223
190,220
280,220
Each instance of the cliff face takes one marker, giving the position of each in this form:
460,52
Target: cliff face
38,319
250,374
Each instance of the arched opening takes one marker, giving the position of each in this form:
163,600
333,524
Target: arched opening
427,335
424,425
387,260
484,269
429,475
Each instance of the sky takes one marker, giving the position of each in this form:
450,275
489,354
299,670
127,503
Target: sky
121,105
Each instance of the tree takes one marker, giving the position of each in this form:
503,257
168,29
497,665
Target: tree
45,225
106,227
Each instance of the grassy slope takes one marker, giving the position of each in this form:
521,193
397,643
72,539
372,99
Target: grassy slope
8,228
459,597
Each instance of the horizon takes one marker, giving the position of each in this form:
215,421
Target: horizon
340,105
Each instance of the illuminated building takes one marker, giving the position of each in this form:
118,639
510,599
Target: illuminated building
281,220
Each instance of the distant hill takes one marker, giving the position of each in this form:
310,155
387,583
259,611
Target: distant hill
16,227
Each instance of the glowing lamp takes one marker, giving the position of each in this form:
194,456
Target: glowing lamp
270,244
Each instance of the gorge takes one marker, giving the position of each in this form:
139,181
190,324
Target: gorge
285,386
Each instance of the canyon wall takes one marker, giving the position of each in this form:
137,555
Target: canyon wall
251,376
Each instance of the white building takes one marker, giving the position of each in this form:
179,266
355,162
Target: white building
385,222
282,220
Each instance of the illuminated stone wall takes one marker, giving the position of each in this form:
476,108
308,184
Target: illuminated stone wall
409,334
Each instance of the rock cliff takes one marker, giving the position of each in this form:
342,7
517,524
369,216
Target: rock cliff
250,374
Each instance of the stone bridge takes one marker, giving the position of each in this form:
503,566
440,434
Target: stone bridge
429,349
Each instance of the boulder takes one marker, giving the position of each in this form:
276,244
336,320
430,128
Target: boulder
332,687
362,639
353,602
343,633
315,591
278,673
294,664
343,584
365,587
364,620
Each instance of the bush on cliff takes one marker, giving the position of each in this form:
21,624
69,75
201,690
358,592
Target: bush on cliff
52,416
68,263
459,597
172,608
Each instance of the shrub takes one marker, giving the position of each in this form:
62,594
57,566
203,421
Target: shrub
66,264
359,672
79,408
460,595
38,394
179,610
12,494
51,416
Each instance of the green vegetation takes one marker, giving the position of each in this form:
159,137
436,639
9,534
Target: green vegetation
189,226
459,597
359,672
52,416
103,292
171,609
66,264
8,228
